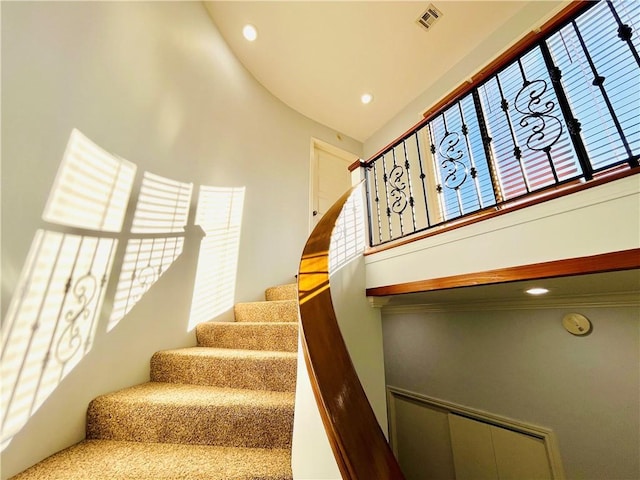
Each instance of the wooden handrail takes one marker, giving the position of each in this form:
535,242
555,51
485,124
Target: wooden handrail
358,443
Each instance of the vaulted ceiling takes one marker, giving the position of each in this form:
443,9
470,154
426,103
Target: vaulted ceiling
319,57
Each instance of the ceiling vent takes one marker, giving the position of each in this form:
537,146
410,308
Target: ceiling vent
429,17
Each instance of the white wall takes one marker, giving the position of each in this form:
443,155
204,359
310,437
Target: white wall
523,365
361,328
311,454
154,83
597,220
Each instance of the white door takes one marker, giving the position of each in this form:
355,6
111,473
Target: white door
330,177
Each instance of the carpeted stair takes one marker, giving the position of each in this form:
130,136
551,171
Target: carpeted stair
222,410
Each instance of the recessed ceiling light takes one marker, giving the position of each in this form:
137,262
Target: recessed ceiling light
537,291
249,32
366,98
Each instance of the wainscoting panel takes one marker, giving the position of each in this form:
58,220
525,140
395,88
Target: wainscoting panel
434,439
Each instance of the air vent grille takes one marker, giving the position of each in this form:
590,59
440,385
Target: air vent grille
429,17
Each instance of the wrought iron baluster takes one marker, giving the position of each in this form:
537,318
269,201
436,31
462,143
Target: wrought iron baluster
598,81
451,164
423,176
367,194
517,152
407,168
573,125
534,111
397,192
474,171
624,32
386,194
377,199
486,144
436,170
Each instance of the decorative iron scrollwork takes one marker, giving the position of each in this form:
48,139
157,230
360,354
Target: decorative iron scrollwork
399,197
455,171
546,128
84,291
625,32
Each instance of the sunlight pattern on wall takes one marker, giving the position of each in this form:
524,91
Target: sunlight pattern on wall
144,263
162,209
93,233
220,215
348,239
163,205
92,187
51,320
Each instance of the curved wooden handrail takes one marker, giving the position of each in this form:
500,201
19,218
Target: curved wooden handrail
359,445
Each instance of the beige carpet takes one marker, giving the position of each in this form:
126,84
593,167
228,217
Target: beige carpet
220,410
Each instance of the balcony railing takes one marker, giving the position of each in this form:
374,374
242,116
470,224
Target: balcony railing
564,109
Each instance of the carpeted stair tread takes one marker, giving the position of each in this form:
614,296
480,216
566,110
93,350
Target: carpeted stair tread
282,336
245,369
116,460
282,292
272,311
193,414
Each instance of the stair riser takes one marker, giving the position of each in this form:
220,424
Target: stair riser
246,426
109,460
276,311
274,337
282,292
268,374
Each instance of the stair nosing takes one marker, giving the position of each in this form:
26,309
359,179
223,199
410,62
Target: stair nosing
219,352
240,396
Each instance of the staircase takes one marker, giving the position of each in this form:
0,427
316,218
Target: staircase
220,410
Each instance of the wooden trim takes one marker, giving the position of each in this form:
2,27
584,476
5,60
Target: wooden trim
573,9
605,262
356,165
617,173
358,443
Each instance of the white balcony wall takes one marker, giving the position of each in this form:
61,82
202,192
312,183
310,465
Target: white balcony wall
598,220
